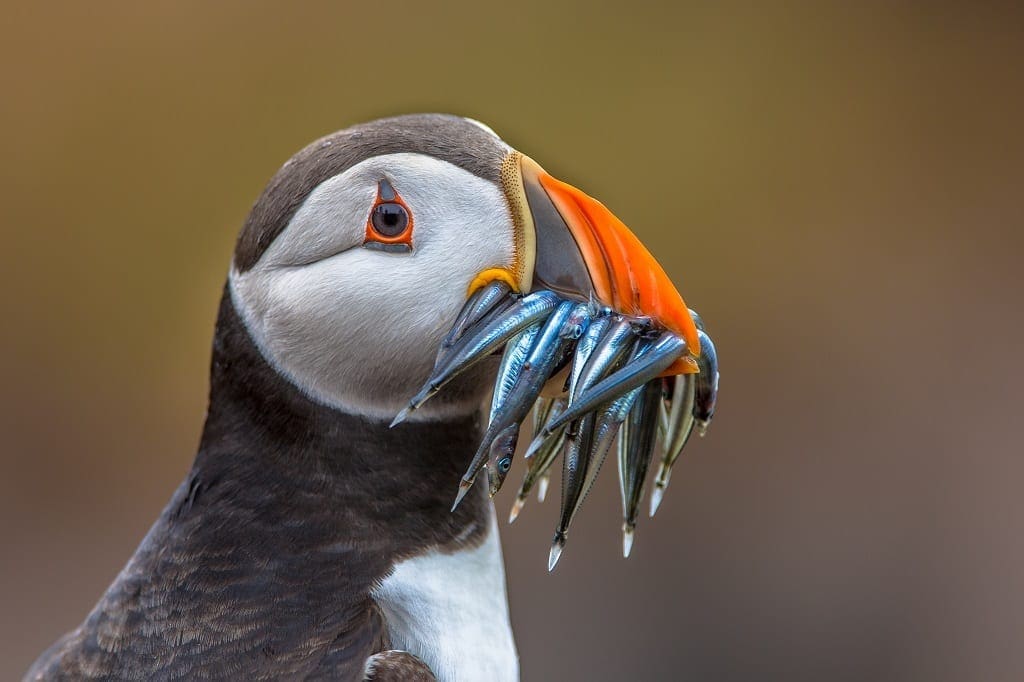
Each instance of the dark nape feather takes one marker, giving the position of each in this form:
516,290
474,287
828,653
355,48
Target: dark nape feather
446,137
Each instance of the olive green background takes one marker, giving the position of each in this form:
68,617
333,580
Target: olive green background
836,187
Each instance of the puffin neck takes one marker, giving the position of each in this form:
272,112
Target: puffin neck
266,557
368,485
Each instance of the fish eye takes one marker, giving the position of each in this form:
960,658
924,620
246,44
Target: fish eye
389,219
504,464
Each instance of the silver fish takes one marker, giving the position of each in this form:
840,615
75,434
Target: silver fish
544,483
606,429
579,466
541,411
475,346
501,451
479,304
538,473
584,348
495,295
608,368
611,348
604,344
512,360
698,321
706,391
636,448
679,424
652,359
584,456
535,369
574,466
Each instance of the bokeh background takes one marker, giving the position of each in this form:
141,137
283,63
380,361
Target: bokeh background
837,187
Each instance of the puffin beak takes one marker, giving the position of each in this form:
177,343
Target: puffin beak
583,251
591,300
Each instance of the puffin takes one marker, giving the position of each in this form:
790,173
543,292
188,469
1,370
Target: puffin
312,538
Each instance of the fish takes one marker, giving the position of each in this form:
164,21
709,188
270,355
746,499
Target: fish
541,411
512,360
599,350
578,465
706,390
534,369
481,302
613,345
584,349
679,423
636,449
608,420
574,466
538,472
481,341
592,379
655,357
503,447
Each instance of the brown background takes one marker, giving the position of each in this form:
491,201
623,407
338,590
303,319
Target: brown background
837,188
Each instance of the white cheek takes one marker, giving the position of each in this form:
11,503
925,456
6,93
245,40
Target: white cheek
359,330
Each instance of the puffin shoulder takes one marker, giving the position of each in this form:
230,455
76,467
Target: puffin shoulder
396,666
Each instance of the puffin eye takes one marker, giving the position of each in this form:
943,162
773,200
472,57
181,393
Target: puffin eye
389,226
390,219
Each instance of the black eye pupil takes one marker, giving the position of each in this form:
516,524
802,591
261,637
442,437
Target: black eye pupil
390,219
504,464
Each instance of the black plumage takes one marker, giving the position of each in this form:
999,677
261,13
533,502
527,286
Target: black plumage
261,565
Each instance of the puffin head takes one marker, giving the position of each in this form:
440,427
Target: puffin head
363,247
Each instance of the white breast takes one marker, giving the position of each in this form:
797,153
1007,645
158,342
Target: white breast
451,610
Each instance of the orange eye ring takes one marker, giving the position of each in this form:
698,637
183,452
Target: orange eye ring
390,222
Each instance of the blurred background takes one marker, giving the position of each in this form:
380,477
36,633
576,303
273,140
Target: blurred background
836,187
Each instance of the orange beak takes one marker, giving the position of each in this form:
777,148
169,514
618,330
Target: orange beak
583,251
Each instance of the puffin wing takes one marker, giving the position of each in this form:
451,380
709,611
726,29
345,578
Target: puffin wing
396,666
184,607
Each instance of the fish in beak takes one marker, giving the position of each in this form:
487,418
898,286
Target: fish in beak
584,315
